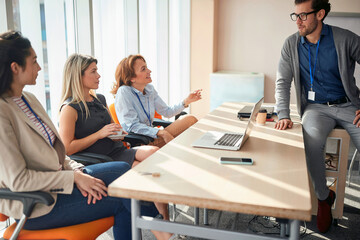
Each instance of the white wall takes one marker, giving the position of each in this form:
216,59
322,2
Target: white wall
203,56
251,34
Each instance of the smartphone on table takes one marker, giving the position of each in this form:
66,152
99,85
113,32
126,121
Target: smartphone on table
236,160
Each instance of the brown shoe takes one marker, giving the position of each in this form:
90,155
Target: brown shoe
324,216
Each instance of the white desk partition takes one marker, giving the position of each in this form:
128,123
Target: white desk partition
232,86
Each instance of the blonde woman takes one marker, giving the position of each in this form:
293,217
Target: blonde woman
137,100
85,123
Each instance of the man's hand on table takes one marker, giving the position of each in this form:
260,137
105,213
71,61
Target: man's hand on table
284,124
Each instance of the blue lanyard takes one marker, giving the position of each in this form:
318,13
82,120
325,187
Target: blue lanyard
312,72
147,114
27,104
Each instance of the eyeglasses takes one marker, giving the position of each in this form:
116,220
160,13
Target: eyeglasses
302,16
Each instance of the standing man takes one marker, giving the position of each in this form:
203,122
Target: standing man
321,59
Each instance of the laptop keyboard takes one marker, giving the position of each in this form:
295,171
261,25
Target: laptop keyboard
228,139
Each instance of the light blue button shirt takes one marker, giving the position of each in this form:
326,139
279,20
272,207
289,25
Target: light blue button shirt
131,114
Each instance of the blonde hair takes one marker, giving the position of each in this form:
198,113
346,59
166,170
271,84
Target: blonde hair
125,72
74,69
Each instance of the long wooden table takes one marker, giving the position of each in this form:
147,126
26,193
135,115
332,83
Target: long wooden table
275,185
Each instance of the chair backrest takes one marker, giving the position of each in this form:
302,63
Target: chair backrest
3,217
113,113
83,231
116,120
158,116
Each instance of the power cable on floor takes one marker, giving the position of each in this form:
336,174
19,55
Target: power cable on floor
271,225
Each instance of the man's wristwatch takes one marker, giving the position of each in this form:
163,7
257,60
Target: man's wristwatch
183,103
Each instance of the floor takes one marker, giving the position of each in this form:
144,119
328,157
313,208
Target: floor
348,227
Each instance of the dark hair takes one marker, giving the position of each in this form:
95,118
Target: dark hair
13,48
318,5
125,72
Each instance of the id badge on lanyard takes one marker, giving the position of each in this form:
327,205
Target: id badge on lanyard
311,93
147,114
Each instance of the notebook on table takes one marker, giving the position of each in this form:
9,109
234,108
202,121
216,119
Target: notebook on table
245,112
228,140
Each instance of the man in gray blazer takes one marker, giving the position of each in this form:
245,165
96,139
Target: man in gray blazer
321,59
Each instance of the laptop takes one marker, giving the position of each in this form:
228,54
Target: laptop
246,111
228,140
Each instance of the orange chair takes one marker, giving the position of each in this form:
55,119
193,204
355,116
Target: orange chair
84,231
116,120
138,139
158,116
133,139
113,113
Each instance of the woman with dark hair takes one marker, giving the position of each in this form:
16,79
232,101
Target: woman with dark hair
33,157
137,100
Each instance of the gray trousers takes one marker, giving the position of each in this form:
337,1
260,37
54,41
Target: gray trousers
318,121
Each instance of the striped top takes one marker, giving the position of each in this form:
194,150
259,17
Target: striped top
33,119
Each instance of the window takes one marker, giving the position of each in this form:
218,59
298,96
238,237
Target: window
164,32
49,26
109,30
109,41
3,16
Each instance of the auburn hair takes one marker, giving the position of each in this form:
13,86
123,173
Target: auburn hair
125,72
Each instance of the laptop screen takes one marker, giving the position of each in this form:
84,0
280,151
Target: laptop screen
252,119
225,140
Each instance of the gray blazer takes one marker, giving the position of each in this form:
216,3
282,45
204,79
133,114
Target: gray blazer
27,161
347,46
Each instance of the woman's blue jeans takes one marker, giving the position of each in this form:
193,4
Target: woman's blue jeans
71,209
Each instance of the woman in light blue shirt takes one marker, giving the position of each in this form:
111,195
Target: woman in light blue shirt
137,100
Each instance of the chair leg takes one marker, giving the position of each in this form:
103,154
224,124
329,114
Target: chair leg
196,216
173,212
7,223
351,166
206,217
18,228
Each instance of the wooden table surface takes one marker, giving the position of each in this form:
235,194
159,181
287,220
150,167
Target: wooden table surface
275,185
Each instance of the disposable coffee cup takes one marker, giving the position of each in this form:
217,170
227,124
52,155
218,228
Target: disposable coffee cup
261,117
119,132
